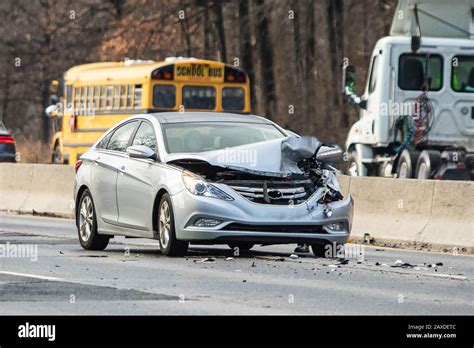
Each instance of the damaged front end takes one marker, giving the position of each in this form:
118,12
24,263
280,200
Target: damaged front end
280,172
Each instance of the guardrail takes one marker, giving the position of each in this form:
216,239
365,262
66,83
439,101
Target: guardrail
437,215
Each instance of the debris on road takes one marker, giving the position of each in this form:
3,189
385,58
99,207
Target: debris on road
343,261
229,258
293,256
206,260
253,264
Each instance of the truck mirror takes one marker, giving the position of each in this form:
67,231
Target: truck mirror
348,79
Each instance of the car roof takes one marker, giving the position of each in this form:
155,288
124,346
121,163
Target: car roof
190,116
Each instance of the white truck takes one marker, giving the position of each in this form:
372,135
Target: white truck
417,110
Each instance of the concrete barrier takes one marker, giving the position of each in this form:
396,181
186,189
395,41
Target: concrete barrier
422,214
37,189
414,213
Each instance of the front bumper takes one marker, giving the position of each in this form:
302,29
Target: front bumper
243,220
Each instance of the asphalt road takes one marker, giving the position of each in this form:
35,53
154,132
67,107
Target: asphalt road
132,277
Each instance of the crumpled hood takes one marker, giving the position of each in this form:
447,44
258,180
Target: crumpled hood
276,157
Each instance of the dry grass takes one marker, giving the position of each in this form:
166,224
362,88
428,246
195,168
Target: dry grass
32,151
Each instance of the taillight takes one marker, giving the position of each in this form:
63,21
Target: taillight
7,139
234,75
78,165
163,73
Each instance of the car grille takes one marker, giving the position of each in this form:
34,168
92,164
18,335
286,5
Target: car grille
274,228
273,192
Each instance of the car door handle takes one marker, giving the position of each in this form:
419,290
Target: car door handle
122,169
96,161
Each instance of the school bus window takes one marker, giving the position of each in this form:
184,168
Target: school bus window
164,96
199,97
123,96
103,96
116,96
110,91
90,97
76,99
96,98
138,96
233,98
68,96
129,96
83,99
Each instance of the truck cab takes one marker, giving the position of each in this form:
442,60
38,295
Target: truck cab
417,109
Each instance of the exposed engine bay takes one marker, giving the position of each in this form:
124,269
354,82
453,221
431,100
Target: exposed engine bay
302,172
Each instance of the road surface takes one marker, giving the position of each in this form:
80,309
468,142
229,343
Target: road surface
131,277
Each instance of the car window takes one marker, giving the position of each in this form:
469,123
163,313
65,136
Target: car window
103,143
145,136
195,137
121,137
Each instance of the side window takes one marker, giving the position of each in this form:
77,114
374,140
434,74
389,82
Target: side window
138,96
416,71
119,141
103,93
129,96
373,74
145,136
103,143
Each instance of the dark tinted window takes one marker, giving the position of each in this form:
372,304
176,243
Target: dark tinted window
164,96
145,136
199,97
121,137
233,98
462,77
416,69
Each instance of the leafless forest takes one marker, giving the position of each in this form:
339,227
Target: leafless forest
292,50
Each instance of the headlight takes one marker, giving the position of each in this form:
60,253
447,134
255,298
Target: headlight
199,187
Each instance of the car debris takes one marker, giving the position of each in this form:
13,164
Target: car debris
293,256
206,260
229,258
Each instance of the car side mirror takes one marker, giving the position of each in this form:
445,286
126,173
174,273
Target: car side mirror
141,151
329,153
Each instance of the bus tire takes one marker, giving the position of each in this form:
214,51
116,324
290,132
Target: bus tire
57,157
427,164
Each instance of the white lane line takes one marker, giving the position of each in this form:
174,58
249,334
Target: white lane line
54,279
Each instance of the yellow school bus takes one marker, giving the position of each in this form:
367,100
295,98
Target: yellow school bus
98,95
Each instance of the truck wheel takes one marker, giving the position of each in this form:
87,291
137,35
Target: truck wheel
406,164
356,168
428,162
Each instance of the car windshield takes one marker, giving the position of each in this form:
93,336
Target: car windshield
195,137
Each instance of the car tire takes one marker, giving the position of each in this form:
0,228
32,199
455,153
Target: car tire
243,246
428,162
355,166
322,249
406,164
169,244
86,221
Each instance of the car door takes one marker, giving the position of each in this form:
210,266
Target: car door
109,159
135,190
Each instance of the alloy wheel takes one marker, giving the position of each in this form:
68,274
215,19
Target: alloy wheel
165,224
86,218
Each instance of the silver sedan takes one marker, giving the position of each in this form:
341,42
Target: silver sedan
209,178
